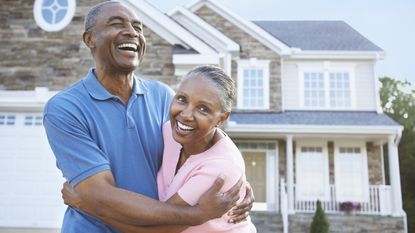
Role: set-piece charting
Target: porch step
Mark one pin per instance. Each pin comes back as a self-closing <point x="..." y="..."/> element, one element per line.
<point x="267" y="222"/>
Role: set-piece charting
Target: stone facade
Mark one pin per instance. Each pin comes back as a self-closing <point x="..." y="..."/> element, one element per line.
<point x="267" y="222"/>
<point x="32" y="57"/>
<point x="374" y="163"/>
<point x="250" y="48"/>
<point x="350" y="224"/>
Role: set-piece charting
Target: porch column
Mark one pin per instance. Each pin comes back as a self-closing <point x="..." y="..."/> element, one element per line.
<point x="290" y="173"/>
<point x="395" y="179"/>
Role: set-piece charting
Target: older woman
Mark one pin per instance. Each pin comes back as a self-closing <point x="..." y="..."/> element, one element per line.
<point x="196" y="150"/>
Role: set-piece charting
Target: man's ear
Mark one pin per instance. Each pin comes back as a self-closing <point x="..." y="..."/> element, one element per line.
<point x="88" y="39"/>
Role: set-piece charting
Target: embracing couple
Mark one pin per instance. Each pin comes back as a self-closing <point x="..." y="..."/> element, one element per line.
<point x="137" y="157"/>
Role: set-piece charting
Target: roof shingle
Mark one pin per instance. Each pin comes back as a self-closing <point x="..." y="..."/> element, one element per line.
<point x="318" y="35"/>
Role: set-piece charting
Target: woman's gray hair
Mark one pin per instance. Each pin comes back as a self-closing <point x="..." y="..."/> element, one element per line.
<point x="222" y="81"/>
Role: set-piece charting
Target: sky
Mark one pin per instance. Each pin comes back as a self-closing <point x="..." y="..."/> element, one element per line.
<point x="390" y="24"/>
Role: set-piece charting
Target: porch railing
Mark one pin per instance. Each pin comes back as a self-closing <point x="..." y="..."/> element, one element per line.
<point x="379" y="202"/>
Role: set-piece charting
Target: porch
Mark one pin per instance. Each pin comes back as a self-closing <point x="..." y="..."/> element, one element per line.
<point x="379" y="202"/>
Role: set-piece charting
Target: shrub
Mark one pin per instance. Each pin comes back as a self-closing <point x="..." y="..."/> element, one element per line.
<point x="320" y="223"/>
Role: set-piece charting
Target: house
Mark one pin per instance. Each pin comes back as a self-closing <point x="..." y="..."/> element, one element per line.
<point x="307" y="118"/>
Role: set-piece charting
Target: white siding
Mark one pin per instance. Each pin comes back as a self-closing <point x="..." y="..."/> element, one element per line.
<point x="363" y="77"/>
<point x="290" y="84"/>
<point x="365" y="87"/>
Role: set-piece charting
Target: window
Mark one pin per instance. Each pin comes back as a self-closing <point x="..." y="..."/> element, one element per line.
<point x="327" y="88"/>
<point x="253" y="84"/>
<point x="314" y="89"/>
<point x="351" y="173"/>
<point x="53" y="15"/>
<point x="312" y="174"/>
<point x="7" y="119"/>
<point x="340" y="90"/>
<point x="33" y="120"/>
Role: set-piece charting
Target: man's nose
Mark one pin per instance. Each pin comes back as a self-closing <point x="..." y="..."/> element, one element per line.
<point x="130" y="30"/>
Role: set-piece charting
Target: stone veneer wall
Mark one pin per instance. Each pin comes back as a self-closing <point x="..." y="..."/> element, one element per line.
<point x="32" y="57"/>
<point x="271" y="222"/>
<point x="250" y="48"/>
<point x="374" y="163"/>
<point x="350" y="224"/>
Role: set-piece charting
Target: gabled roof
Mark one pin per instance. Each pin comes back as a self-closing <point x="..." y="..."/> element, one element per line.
<point x="318" y="35"/>
<point x="166" y="27"/>
<point x="203" y="30"/>
<point x="247" y="26"/>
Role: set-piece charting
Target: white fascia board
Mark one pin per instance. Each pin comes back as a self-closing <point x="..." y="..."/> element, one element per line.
<point x="232" y="127"/>
<point x="183" y="63"/>
<point x="250" y="28"/>
<point x="204" y="30"/>
<point x="166" y="27"/>
<point x="196" y="59"/>
<point x="25" y="100"/>
<point x="355" y="55"/>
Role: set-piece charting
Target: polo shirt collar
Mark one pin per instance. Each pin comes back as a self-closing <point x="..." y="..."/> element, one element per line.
<point x="97" y="91"/>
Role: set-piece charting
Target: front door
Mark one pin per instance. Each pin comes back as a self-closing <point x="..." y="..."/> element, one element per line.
<point x="256" y="172"/>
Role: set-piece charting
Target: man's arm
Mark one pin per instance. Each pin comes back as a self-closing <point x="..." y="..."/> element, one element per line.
<point x="106" y="201"/>
<point x="74" y="199"/>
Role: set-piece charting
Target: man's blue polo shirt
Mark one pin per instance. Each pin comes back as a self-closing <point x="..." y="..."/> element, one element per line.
<point x="90" y="131"/>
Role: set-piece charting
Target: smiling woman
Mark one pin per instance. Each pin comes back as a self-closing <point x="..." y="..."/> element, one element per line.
<point x="196" y="150"/>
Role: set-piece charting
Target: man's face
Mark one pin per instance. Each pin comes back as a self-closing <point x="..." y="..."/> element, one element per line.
<point x="118" y="39"/>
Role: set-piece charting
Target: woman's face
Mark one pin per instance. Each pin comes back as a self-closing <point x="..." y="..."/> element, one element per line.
<point x="195" y="111"/>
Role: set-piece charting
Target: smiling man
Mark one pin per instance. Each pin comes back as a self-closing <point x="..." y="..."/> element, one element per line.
<point x="105" y="132"/>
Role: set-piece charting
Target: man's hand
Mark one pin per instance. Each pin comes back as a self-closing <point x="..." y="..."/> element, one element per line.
<point x="240" y="212"/>
<point x="214" y="204"/>
<point x="70" y="196"/>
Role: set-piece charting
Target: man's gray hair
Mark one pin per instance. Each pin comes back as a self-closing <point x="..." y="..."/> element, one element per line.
<point x="91" y="17"/>
<point x="224" y="83"/>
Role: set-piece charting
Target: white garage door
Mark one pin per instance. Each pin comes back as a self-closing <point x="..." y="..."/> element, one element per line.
<point x="30" y="183"/>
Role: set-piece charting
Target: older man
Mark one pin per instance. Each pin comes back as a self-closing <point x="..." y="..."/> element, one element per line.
<point x="105" y="132"/>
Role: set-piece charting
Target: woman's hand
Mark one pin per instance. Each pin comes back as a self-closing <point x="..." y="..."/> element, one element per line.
<point x="70" y="196"/>
<point x="240" y="212"/>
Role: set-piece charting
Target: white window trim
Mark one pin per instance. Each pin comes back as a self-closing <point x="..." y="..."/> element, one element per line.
<point x="323" y="145"/>
<point x="40" y="21"/>
<point x="253" y="63"/>
<point x="326" y="68"/>
<point x="362" y="146"/>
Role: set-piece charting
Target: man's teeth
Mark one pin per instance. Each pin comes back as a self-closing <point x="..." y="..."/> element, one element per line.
<point x="128" y="45"/>
<point x="184" y="127"/>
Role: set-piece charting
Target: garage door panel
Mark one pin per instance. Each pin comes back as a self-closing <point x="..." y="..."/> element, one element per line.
<point x="4" y="184"/>
<point x="28" y="170"/>
<point x="6" y="164"/>
<point x="28" y="164"/>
